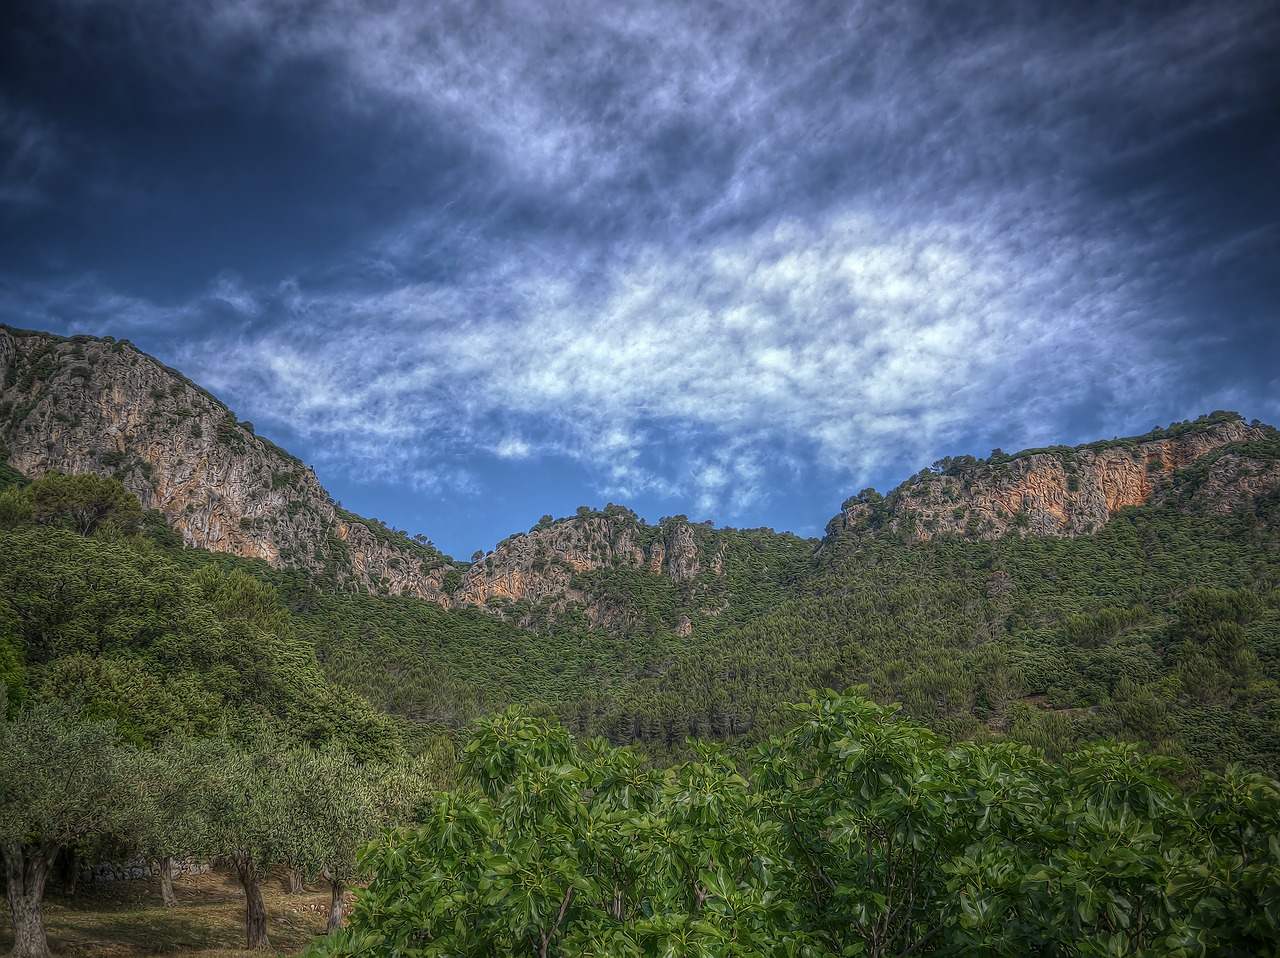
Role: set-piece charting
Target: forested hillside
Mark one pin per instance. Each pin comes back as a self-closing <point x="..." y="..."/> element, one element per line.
<point x="157" y="701"/>
<point x="1162" y="626"/>
<point x="184" y="702"/>
<point x="278" y="700"/>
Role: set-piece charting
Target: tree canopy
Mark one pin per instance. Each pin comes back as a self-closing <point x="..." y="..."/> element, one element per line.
<point x="854" y="833"/>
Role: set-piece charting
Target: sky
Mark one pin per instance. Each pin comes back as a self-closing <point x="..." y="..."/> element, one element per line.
<point x="481" y="261"/>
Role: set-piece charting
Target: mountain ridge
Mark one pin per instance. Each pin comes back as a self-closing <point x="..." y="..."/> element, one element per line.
<point x="1162" y="625"/>
<point x="1064" y="490"/>
<point x="86" y="404"/>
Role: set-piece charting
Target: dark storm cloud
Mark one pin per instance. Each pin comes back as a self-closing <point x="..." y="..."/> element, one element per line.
<point x="179" y="160"/>
<point x="706" y="252"/>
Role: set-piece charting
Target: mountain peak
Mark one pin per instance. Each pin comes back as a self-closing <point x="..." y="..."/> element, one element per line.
<point x="88" y="405"/>
<point x="1071" y="490"/>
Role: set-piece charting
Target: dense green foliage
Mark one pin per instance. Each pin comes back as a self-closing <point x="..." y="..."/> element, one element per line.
<point x="854" y="833"/>
<point x="157" y="700"/>
<point x="286" y="706"/>
<point x="66" y="783"/>
<point x="138" y="637"/>
<point x="1163" y="627"/>
<point x="74" y="786"/>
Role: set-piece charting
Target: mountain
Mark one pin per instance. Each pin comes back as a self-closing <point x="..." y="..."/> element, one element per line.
<point x="87" y="405"/>
<point x="1128" y="588"/>
<point x="101" y="406"/>
<point x="1068" y="491"/>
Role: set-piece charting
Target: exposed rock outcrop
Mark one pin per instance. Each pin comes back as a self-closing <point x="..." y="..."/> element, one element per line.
<point x="87" y="405"/>
<point x="1064" y="491"/>
<point x="543" y="564"/>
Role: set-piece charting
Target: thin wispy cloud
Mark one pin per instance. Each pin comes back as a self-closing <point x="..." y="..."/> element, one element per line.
<point x="847" y="341"/>
<point x="28" y="154"/>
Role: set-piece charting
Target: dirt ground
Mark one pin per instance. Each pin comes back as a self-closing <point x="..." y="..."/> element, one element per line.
<point x="128" y="920"/>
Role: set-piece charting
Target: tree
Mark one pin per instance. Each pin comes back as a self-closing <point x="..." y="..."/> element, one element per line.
<point x="857" y="834"/>
<point x="864" y="803"/>
<point x="15" y="508"/>
<point x="338" y="804"/>
<point x="249" y="817"/>
<point x="13" y="669"/>
<point x="84" y="503"/>
<point x="554" y="848"/>
<point x="1228" y="879"/>
<point x="178" y="824"/>
<point x="67" y="782"/>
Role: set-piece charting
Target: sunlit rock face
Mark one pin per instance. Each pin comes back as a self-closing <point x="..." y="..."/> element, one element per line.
<point x="1066" y="491"/>
<point x="543" y="564"/>
<point x="86" y="405"/>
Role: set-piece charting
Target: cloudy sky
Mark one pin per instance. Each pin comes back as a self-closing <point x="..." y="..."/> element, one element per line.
<point x="480" y="260"/>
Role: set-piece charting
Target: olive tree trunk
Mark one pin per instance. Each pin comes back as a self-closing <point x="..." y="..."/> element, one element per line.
<point x="255" y="912"/>
<point x="27" y="869"/>
<point x="337" y="904"/>
<point x="165" y="870"/>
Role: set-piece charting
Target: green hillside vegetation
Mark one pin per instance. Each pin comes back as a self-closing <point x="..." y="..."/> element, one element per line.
<point x="447" y="667"/>
<point x="226" y="707"/>
<point x="853" y="833"/>
<point x="152" y="699"/>
<point x="741" y="571"/>
<point x="1164" y="627"/>
<point x="112" y="621"/>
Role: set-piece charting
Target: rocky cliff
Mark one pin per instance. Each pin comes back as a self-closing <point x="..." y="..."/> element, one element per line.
<point x="547" y="564"/>
<point x="87" y="405"/>
<point x="1067" y="491"/>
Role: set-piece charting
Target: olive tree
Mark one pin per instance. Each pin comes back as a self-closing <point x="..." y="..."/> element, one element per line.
<point x="334" y="810"/>
<point x="249" y="822"/>
<point x="67" y="782"/>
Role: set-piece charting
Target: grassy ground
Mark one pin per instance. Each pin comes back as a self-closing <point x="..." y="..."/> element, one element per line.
<point x="127" y="919"/>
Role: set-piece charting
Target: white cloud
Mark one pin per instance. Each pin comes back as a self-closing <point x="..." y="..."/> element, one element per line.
<point x="858" y="233"/>
<point x="513" y="447"/>
<point x="849" y="340"/>
<point x="702" y="112"/>
<point x="229" y="288"/>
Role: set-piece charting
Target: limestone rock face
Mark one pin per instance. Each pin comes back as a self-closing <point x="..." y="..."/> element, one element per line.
<point x="6" y="354"/>
<point x="682" y="554"/>
<point x="540" y="565"/>
<point x="1230" y="481"/>
<point x="86" y="405"/>
<point x="1064" y="491"/>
